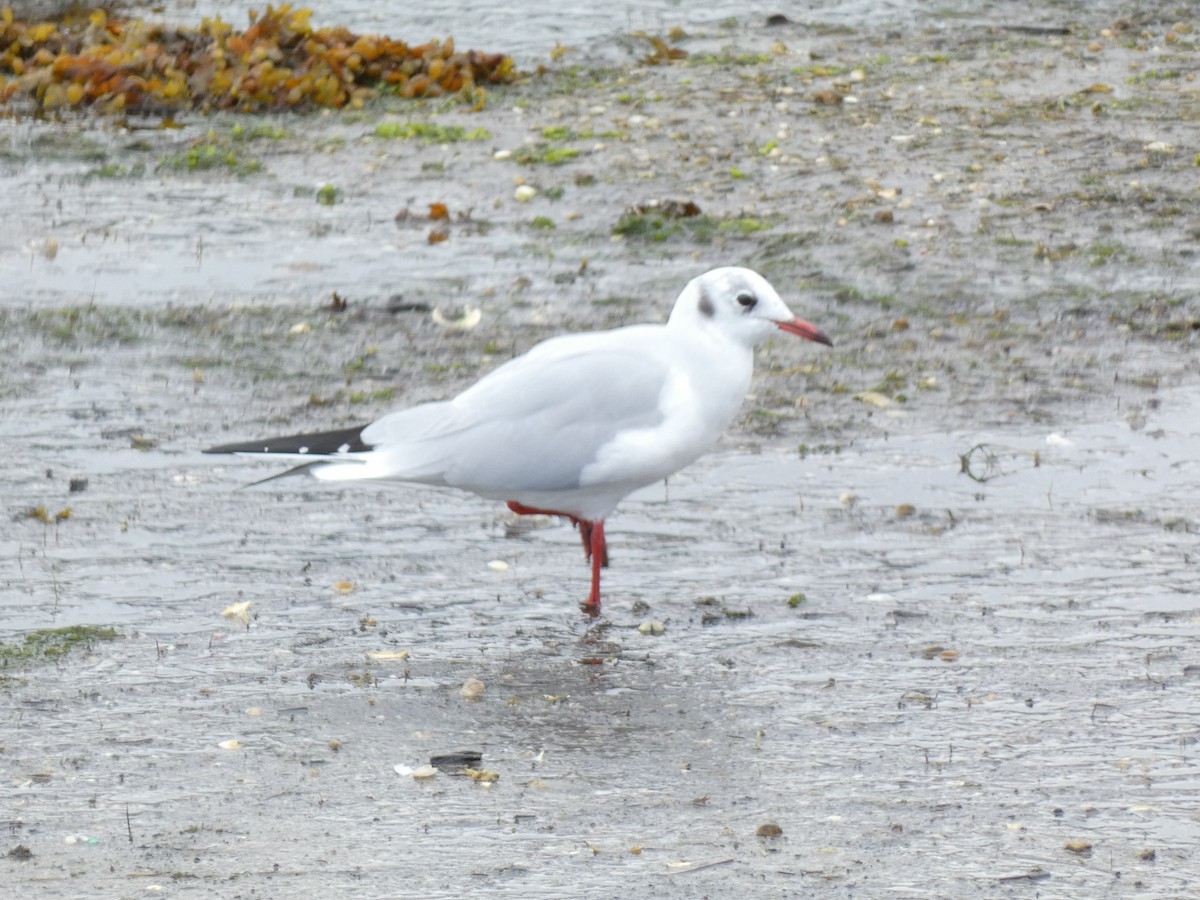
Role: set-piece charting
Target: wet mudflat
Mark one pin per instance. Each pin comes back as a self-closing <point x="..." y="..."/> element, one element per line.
<point x="930" y="609"/>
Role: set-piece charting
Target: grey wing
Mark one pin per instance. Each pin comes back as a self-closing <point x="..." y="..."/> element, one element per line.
<point x="535" y="423"/>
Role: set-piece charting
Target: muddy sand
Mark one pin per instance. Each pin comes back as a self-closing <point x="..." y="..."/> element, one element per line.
<point x="930" y="609"/>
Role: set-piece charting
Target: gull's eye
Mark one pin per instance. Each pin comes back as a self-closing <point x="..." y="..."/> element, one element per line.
<point x="746" y="299"/>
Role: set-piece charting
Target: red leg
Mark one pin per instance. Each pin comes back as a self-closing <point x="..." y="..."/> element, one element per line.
<point x="590" y="536"/>
<point x="599" y="557"/>
<point x="522" y="510"/>
<point x="595" y="547"/>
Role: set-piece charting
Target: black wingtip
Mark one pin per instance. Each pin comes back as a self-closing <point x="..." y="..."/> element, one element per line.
<point x="321" y="443"/>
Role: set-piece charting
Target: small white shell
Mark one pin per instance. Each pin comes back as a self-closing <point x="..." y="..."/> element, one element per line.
<point x="386" y="655"/>
<point x="469" y="319"/>
<point x="873" y="398"/>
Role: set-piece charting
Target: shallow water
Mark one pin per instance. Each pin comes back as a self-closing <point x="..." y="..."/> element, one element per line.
<point x="1064" y="592"/>
<point x="530" y="29"/>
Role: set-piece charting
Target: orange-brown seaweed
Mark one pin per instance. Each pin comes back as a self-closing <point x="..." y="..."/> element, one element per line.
<point x="279" y="62"/>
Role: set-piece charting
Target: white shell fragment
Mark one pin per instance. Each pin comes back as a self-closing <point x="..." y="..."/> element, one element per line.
<point x="469" y="319"/>
<point x="654" y="628"/>
<point x="498" y="565"/>
<point x="419" y="773"/>
<point x="386" y="655"/>
<point x="524" y="193"/>
<point x="238" y="611"/>
<point x="233" y="744"/>
<point x="874" y="398"/>
<point x="472" y="689"/>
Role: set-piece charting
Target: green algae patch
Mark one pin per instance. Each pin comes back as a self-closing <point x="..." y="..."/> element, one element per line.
<point x="53" y="644"/>
<point x="430" y="133"/>
<point x="654" y="226"/>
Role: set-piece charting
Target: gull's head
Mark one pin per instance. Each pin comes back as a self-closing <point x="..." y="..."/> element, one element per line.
<point x="742" y="305"/>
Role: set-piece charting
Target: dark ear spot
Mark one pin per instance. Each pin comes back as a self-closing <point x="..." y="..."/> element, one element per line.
<point x="705" y="305"/>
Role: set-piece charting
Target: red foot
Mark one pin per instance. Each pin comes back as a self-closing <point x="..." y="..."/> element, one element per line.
<point x="595" y="548"/>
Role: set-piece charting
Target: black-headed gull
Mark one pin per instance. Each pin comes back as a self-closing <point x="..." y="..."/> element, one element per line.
<point x="581" y="420"/>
